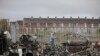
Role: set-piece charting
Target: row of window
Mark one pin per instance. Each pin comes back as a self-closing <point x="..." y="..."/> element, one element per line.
<point x="76" y="30"/>
<point x="51" y="25"/>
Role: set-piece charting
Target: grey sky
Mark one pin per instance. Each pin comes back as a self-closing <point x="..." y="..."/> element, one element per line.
<point x="18" y="9"/>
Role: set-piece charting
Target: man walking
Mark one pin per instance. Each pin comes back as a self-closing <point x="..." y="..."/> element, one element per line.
<point x="52" y="40"/>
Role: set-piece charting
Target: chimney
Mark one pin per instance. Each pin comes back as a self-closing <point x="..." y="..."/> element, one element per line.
<point x="92" y="17"/>
<point x="70" y="17"/>
<point x="63" y="17"/>
<point x="55" y="16"/>
<point x="31" y="16"/>
<point x="85" y="17"/>
<point x="47" y="16"/>
<point x="39" y="16"/>
<point x="78" y="17"/>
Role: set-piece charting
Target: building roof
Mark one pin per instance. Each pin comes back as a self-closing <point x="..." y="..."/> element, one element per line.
<point x="62" y="20"/>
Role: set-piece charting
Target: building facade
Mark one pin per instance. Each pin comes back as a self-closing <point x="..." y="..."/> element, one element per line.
<point x="75" y="25"/>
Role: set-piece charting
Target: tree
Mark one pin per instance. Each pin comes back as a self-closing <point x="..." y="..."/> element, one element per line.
<point x="4" y="24"/>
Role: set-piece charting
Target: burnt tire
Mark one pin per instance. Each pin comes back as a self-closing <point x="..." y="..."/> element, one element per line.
<point x="29" y="54"/>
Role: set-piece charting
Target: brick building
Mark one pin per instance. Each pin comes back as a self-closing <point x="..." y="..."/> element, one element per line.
<point x="77" y="25"/>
